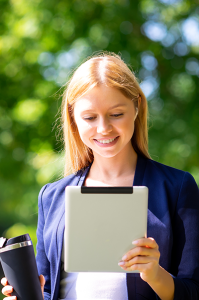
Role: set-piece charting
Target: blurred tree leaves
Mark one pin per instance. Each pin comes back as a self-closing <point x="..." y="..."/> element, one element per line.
<point x="42" y="41"/>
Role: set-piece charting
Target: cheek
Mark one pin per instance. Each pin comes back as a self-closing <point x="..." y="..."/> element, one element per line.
<point x="127" y="126"/>
<point x="84" y="130"/>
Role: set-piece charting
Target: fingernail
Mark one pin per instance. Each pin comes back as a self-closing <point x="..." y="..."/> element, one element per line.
<point x="135" y="242"/>
<point x="124" y="257"/>
<point x="121" y="263"/>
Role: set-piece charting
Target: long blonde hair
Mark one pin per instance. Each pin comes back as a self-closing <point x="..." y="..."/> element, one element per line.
<point x="102" y="69"/>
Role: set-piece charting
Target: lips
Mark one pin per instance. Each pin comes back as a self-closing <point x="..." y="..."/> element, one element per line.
<point x="106" y="144"/>
<point x="106" y="141"/>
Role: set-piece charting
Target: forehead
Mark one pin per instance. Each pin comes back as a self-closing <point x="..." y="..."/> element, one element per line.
<point x="102" y="97"/>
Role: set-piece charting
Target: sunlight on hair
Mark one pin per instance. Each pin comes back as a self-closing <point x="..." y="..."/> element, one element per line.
<point x="105" y="68"/>
<point x="102" y="70"/>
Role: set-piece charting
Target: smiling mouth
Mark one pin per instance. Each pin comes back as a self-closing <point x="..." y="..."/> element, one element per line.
<point x="108" y="141"/>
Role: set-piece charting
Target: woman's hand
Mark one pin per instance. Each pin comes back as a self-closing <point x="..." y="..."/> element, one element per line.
<point x="42" y="283"/>
<point x="8" y="289"/>
<point x="144" y="258"/>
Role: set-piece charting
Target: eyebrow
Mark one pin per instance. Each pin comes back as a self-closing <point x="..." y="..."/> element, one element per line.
<point x="117" y="105"/>
<point x="114" y="106"/>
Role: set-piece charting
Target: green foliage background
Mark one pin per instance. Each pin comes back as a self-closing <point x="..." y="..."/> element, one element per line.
<point x="42" y="41"/>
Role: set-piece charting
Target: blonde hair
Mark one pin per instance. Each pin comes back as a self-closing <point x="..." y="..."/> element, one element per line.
<point x="102" y="69"/>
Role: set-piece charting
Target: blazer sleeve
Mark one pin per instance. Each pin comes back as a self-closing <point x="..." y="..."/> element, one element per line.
<point x="185" y="253"/>
<point x="43" y="264"/>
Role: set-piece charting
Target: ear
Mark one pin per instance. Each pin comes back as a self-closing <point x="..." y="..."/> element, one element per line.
<point x="136" y="109"/>
<point x="139" y="101"/>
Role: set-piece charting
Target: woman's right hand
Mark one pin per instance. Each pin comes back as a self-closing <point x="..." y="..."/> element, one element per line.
<point x="8" y="289"/>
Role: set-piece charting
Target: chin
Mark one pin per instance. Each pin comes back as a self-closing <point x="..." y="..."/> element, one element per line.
<point x="105" y="155"/>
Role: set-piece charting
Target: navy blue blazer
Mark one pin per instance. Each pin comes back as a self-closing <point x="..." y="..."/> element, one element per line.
<point x="173" y="221"/>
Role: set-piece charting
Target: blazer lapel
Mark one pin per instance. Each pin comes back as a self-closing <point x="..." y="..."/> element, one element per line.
<point x="139" y="171"/>
<point x="78" y="180"/>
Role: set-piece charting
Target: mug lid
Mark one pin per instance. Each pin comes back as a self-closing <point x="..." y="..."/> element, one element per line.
<point x="2" y="242"/>
<point x="18" y="239"/>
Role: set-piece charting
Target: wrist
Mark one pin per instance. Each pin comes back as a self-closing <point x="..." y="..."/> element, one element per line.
<point x="157" y="277"/>
<point x="163" y="284"/>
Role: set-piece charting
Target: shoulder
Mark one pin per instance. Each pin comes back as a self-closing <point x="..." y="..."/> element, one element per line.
<point x="55" y="190"/>
<point x="166" y="172"/>
<point x="71" y="179"/>
<point x="171" y="188"/>
<point x="169" y="177"/>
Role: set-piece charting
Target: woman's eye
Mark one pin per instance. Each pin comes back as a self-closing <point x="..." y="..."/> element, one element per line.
<point x="89" y="118"/>
<point x="93" y="118"/>
<point x="117" y="115"/>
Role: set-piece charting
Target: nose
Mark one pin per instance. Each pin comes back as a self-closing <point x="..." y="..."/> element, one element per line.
<point x="104" y="126"/>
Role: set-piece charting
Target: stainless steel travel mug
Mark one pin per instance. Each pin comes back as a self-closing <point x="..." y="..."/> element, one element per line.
<point x="19" y="266"/>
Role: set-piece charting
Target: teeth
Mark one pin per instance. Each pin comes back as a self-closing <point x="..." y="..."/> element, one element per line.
<point x="106" y="141"/>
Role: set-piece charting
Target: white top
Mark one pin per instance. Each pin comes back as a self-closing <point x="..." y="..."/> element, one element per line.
<point x="92" y="286"/>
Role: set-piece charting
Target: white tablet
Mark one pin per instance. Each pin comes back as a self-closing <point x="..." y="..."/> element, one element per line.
<point x="100" y="225"/>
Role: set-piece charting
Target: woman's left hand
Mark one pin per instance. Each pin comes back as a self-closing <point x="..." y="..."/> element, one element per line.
<point x="144" y="258"/>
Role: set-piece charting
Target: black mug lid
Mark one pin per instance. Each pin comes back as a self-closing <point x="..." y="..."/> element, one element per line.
<point x="18" y="239"/>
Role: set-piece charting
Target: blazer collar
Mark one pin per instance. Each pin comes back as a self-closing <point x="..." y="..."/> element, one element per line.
<point x="139" y="172"/>
<point x="83" y="176"/>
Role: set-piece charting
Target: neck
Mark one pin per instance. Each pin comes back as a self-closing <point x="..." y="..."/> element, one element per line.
<point x="121" y="165"/>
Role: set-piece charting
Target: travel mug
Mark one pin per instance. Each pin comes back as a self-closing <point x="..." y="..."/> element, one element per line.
<point x="19" y="266"/>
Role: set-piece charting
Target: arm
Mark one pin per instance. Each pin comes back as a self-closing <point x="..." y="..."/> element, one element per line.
<point x="164" y="285"/>
<point x="145" y="258"/>
<point x="185" y="258"/>
<point x="43" y="264"/>
<point x="185" y="254"/>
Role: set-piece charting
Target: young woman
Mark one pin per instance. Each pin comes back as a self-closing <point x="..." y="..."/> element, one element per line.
<point x="104" y="116"/>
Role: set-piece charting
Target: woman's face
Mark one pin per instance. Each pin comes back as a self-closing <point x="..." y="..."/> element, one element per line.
<point x="105" y="120"/>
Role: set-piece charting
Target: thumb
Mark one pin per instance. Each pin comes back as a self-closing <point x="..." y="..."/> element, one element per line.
<point x="42" y="283"/>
